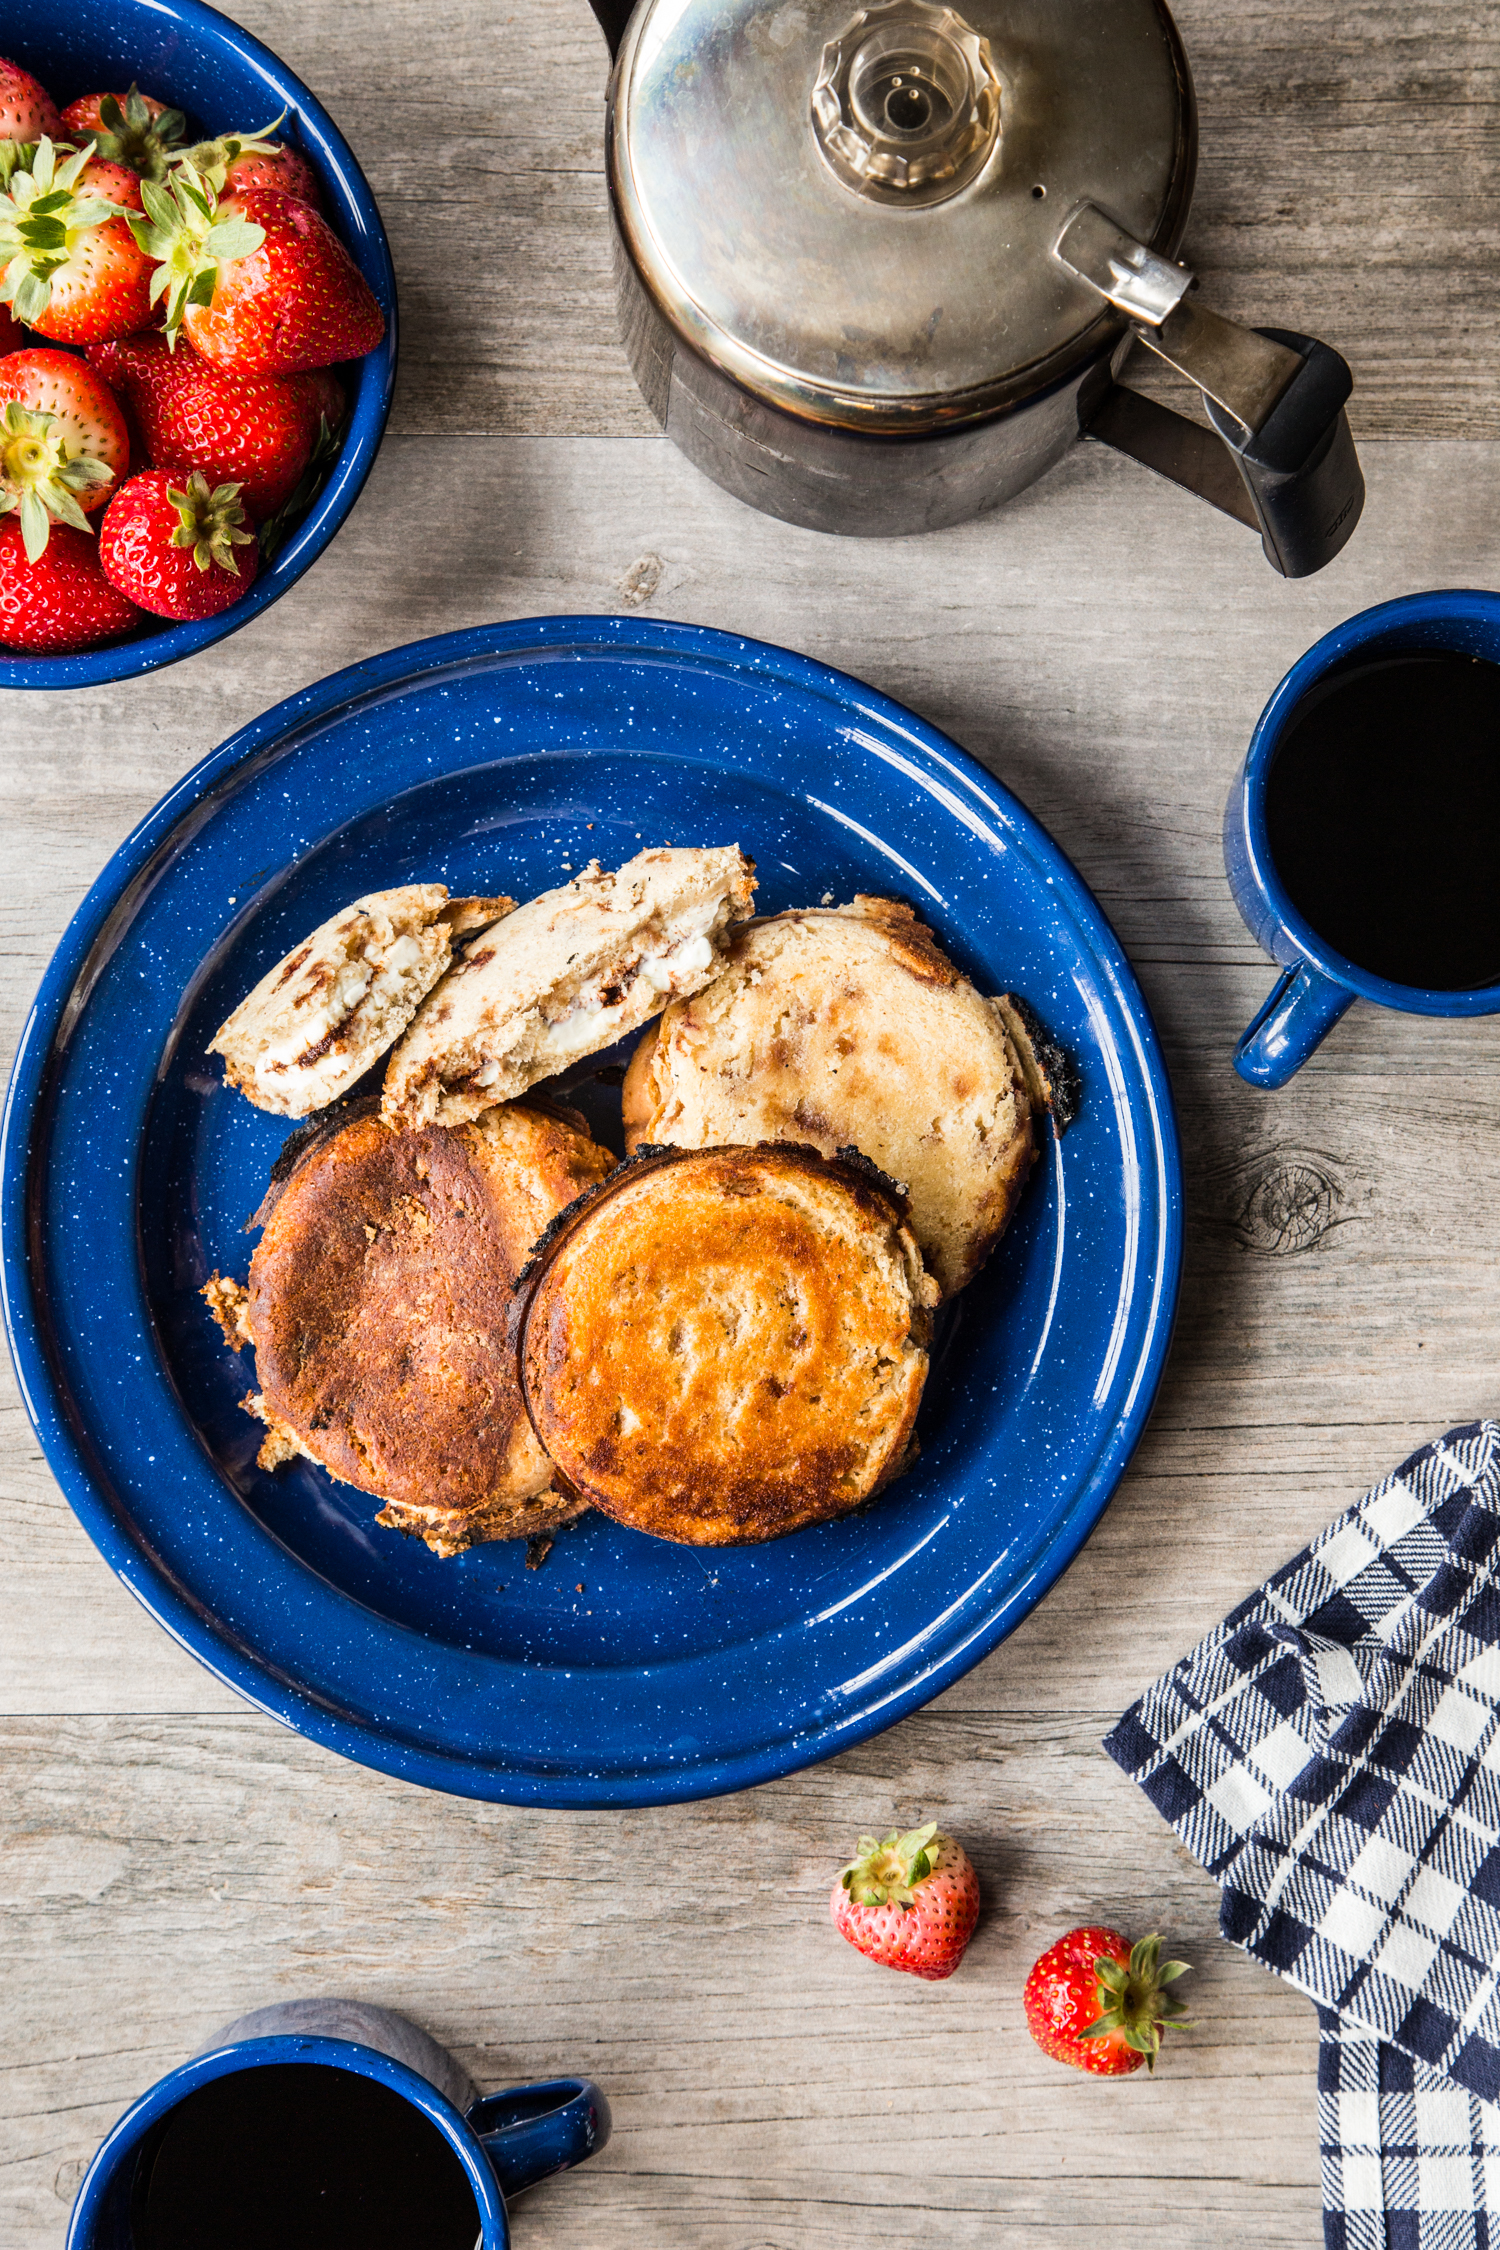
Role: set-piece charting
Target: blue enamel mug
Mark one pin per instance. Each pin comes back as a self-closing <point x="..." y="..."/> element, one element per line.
<point x="1318" y="984"/>
<point x="505" y="2142"/>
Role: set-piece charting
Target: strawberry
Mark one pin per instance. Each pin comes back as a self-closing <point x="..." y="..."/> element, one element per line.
<point x="252" y="160"/>
<point x="63" y="443"/>
<point x="323" y="393"/>
<point x="281" y="168"/>
<point x="255" y="431"/>
<point x="115" y="358"/>
<point x="258" y="280"/>
<point x="1097" y="2002"/>
<point x="12" y="334"/>
<point x="27" y="110"/>
<point x="131" y="129"/>
<point x="910" y="1903"/>
<point x="62" y="600"/>
<point x="72" y="269"/>
<point x="171" y="547"/>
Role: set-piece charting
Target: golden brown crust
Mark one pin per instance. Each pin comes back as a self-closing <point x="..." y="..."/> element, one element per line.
<point x="280" y="1444"/>
<point x="450" y="1531"/>
<point x="462" y="917"/>
<point x="850" y="1026"/>
<point x="912" y="945"/>
<point x="380" y="1298"/>
<point x="228" y="1301"/>
<point x="724" y="1346"/>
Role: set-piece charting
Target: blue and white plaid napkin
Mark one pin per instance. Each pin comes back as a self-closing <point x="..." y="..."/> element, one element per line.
<point x="1331" y="1754"/>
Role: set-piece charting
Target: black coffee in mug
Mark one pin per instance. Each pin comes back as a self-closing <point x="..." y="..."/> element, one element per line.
<point x="1383" y="816"/>
<point x="298" y="2156"/>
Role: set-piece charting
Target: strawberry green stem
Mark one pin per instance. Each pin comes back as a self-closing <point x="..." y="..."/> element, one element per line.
<point x="39" y="477"/>
<point x="887" y="1873"/>
<point x="211" y="160"/>
<point x="211" y="523"/>
<point x="41" y="219"/>
<point x="183" y="234"/>
<point x="133" y="137"/>
<point x="1132" y="2002"/>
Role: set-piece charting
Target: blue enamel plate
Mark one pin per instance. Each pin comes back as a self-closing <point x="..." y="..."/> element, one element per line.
<point x="624" y="1670"/>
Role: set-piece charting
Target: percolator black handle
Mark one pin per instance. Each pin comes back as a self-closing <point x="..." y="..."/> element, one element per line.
<point x="1300" y="468"/>
<point x="1296" y="480"/>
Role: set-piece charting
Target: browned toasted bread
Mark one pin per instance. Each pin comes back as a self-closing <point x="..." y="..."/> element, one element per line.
<point x="722" y="1346"/>
<point x="851" y="1025"/>
<point x="378" y="1306"/>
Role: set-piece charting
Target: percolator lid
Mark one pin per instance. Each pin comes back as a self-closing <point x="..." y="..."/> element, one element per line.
<point x="851" y="210"/>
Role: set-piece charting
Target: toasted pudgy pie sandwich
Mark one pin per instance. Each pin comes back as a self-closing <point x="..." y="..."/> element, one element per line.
<point x="849" y="1026"/>
<point x="379" y="1302"/>
<point x="317" y="1021"/>
<point x="564" y="976"/>
<point x="724" y="1346"/>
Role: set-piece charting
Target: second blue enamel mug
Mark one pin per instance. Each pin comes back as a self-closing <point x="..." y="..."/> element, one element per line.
<point x="1318" y="984"/>
<point x="505" y="2143"/>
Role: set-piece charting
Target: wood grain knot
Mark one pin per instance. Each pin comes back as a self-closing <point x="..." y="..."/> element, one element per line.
<point x="1285" y="1202"/>
<point x="69" y="2178"/>
<point x="640" y="581"/>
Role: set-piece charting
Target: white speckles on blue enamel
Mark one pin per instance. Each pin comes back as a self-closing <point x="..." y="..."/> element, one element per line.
<point x="562" y="740"/>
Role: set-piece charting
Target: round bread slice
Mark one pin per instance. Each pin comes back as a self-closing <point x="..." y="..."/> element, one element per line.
<point x="722" y="1347"/>
<point x="379" y="1301"/>
<point x="316" y="1022"/>
<point x="849" y="1027"/>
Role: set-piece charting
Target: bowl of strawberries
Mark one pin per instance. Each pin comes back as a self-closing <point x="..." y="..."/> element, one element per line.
<point x="197" y="335"/>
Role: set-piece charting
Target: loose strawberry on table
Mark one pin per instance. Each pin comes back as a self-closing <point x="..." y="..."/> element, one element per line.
<point x="69" y="264"/>
<point x="910" y="1902"/>
<point x="1099" y="2003"/>
<point x="133" y="129"/>
<point x="61" y="601"/>
<point x="257" y="280"/>
<point x="27" y="110"/>
<point x="63" y="443"/>
<point x="178" y="550"/>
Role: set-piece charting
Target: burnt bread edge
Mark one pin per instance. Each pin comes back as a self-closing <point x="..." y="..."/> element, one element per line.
<point x="1054" y="1079"/>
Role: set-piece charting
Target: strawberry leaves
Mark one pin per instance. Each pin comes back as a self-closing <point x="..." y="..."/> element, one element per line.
<point x="15" y="156"/>
<point x="887" y="1873"/>
<point x="40" y="214"/>
<point x="211" y="160"/>
<point x="1132" y="2003"/>
<point x="277" y="529"/>
<point x="181" y="233"/>
<point x="132" y="136"/>
<point x="211" y="524"/>
<point x="39" y="478"/>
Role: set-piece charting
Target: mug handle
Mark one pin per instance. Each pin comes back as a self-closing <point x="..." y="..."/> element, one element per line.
<point x="1301" y="1009"/>
<point x="530" y="2132"/>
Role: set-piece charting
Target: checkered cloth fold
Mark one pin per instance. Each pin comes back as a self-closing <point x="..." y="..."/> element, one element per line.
<point x="1331" y="1754"/>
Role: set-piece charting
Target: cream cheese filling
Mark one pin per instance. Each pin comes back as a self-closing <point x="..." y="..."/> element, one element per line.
<point x="588" y="1022"/>
<point x="382" y="978"/>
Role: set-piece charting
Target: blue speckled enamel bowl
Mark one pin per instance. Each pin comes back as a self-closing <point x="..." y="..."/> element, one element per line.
<point x="625" y="1670"/>
<point x="191" y="56"/>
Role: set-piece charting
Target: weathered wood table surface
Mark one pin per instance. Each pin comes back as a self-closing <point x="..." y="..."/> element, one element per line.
<point x="169" y="1858"/>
